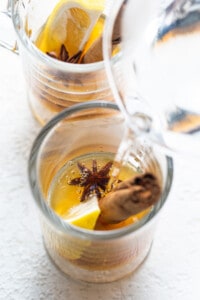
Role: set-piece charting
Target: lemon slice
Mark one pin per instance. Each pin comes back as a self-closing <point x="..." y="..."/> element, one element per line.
<point x="69" y="24"/>
<point x="84" y="215"/>
<point x="96" y="32"/>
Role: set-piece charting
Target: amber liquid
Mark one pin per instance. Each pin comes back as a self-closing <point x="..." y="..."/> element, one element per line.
<point x="63" y="196"/>
<point x="85" y="258"/>
<point x="53" y="90"/>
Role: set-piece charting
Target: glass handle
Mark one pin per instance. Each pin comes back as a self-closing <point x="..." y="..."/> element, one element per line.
<point x="7" y="33"/>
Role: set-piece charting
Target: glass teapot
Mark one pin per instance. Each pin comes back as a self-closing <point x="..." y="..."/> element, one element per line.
<point x="157" y="81"/>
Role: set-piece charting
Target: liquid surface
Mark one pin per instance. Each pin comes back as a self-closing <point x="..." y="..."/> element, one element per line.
<point x="65" y="197"/>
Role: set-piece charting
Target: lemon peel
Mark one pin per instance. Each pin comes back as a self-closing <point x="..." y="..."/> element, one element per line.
<point x="96" y="32"/>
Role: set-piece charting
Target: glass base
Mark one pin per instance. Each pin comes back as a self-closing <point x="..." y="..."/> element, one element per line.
<point x="75" y="272"/>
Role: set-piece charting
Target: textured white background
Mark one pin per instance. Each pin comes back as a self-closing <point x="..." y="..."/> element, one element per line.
<point x="172" y="270"/>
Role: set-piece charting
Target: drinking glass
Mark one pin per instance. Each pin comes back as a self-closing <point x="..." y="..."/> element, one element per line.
<point x="156" y="84"/>
<point x="92" y="255"/>
<point x="52" y="85"/>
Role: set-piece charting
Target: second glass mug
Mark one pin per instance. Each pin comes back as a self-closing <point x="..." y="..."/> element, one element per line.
<point x="86" y="129"/>
<point x="52" y="85"/>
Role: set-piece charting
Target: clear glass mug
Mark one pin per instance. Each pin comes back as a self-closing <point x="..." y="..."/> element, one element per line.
<point x="156" y="84"/>
<point x="52" y="85"/>
<point x="92" y="255"/>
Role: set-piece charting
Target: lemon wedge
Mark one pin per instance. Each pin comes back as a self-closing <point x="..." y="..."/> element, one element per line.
<point x="84" y="215"/>
<point x="70" y="24"/>
<point x="96" y="32"/>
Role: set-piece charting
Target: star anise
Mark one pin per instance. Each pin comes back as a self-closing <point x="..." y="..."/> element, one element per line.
<point x="93" y="181"/>
<point x="64" y="55"/>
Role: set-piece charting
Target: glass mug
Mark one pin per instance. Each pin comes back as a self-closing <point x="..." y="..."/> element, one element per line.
<point x="52" y="85"/>
<point x="91" y="255"/>
<point x="156" y="84"/>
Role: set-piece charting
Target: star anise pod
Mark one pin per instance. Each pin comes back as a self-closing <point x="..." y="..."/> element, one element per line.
<point x="64" y="55"/>
<point x="93" y="181"/>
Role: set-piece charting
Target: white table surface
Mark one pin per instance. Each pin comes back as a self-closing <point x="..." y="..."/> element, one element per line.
<point x="172" y="270"/>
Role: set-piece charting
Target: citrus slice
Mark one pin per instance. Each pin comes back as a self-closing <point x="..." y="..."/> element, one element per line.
<point x="70" y="24"/>
<point x="84" y="215"/>
<point x="95" y="34"/>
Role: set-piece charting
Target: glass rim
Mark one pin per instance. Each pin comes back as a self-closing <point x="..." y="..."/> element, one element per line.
<point x="52" y="217"/>
<point x="51" y="62"/>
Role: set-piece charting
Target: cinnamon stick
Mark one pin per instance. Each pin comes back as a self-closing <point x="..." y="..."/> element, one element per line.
<point x="129" y="198"/>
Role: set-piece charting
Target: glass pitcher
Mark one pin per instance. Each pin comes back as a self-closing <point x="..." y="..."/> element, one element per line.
<point x="157" y="83"/>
